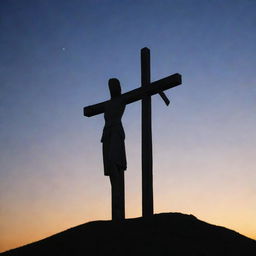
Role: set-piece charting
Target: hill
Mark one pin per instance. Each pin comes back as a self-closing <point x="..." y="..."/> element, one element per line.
<point x="162" y="234"/>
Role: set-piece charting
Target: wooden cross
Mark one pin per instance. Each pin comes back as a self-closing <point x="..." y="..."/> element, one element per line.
<point x="144" y="93"/>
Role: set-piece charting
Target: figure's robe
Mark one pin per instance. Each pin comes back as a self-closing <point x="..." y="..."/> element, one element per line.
<point x="113" y="137"/>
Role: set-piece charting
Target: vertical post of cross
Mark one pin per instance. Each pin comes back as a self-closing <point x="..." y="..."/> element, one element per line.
<point x="147" y="160"/>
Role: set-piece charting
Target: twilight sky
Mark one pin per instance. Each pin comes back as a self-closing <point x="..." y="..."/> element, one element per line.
<point x="56" y="58"/>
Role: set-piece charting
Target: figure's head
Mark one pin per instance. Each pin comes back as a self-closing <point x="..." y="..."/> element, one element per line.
<point x="114" y="87"/>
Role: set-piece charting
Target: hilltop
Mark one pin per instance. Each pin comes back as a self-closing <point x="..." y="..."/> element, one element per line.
<point x="162" y="234"/>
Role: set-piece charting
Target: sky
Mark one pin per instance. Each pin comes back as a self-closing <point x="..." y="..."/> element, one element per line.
<point x="57" y="57"/>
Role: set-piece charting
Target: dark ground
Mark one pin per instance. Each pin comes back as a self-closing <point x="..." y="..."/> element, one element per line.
<point x="173" y="234"/>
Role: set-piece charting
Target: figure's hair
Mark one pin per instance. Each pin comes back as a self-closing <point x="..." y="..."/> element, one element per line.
<point x="114" y="87"/>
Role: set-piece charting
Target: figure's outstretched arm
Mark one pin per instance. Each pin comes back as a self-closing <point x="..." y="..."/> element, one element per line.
<point x="94" y="109"/>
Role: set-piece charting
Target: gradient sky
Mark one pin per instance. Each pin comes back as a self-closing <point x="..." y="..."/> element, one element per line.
<point x="56" y="58"/>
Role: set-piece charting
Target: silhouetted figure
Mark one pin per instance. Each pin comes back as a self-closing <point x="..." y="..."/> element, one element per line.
<point x="114" y="157"/>
<point x="113" y="134"/>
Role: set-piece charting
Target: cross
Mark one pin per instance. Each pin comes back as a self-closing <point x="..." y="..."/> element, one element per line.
<point x="144" y="94"/>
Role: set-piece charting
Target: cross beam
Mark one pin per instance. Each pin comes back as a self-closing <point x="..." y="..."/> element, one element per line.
<point x="136" y="94"/>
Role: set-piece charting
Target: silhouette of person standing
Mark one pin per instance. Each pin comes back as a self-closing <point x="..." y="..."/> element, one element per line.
<point x="114" y="156"/>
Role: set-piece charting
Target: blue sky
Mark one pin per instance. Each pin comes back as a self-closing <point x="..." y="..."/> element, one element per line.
<point x="56" y="58"/>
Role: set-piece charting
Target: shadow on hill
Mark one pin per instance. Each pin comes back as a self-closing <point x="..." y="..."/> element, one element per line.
<point x="162" y="234"/>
